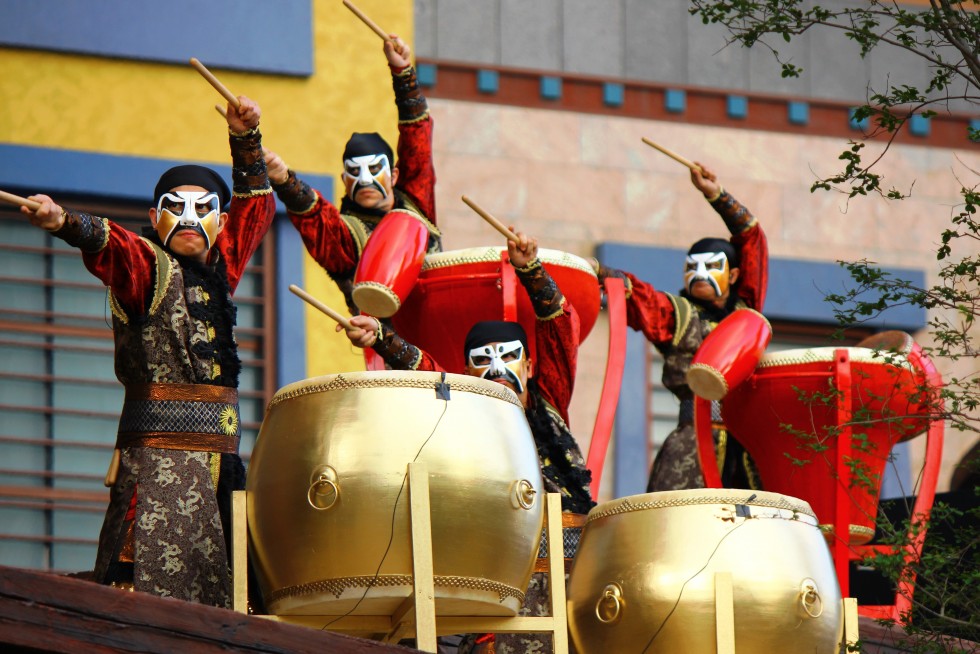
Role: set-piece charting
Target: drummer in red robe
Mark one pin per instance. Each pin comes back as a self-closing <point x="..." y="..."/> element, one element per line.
<point x="720" y="276"/>
<point x="498" y="350"/>
<point x="376" y="189"/>
<point x="166" y="529"/>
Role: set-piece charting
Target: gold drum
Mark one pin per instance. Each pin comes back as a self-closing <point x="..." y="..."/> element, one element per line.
<point x="643" y="579"/>
<point x="328" y="502"/>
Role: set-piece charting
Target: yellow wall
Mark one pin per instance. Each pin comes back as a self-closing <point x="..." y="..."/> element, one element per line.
<point x="152" y="110"/>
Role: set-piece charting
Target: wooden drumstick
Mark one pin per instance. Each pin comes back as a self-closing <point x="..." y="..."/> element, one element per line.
<point x="218" y="86"/>
<point x="367" y="21"/>
<point x="496" y="224"/>
<point x="673" y="155"/>
<point x="320" y="305"/>
<point x="16" y="199"/>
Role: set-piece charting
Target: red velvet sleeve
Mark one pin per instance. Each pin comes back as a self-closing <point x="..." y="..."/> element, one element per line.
<point x="249" y="218"/>
<point x="416" y="174"/>
<point x="754" y="266"/>
<point x="126" y="265"/>
<point x="556" y="343"/>
<point x="327" y="237"/>
<point x="650" y="311"/>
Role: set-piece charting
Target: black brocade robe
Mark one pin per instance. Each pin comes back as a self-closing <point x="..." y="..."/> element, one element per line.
<point x="165" y="529"/>
<point x="677" y="326"/>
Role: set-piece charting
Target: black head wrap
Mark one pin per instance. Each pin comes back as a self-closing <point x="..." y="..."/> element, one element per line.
<point x="494" y="331"/>
<point x="363" y="143"/>
<point x="191" y="175"/>
<point x="717" y="245"/>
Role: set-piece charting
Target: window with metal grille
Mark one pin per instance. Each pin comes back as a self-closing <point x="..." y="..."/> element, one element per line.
<point x="59" y="398"/>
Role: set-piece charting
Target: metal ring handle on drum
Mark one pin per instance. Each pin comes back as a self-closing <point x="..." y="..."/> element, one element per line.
<point x="322" y="476"/>
<point x="525" y="494"/>
<point x="809" y="597"/>
<point x="611" y="594"/>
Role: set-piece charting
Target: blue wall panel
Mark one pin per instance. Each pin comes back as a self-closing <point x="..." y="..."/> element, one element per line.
<point x="221" y="33"/>
<point x="29" y="169"/>
<point x="630" y="428"/>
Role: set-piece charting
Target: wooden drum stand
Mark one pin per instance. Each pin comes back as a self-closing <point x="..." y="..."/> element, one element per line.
<point x="417" y="616"/>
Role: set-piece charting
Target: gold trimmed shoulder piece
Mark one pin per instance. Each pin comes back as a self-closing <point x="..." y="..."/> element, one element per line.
<point x="411" y="208"/>
<point x="553" y="412"/>
<point x="682" y="317"/>
<point x="117" y="309"/>
<point x="165" y="271"/>
<point x="358" y="230"/>
<point x="107" y="226"/>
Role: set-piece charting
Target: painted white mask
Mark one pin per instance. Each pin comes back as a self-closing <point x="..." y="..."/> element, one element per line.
<point x="194" y="210"/>
<point x="711" y="267"/>
<point x="495" y="360"/>
<point x="367" y="171"/>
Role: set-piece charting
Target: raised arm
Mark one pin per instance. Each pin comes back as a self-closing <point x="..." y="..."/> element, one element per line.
<point x="327" y="237"/>
<point x="747" y="236"/>
<point x="648" y="310"/>
<point x="416" y="174"/>
<point x="253" y="206"/>
<point x="115" y="255"/>
<point x="556" y="329"/>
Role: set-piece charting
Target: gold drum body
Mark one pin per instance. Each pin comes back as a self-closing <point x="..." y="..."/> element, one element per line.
<point x="328" y="499"/>
<point x="643" y="579"/>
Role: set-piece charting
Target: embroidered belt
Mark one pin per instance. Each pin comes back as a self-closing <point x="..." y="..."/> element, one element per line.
<point x="198" y="417"/>
<point x="571" y="533"/>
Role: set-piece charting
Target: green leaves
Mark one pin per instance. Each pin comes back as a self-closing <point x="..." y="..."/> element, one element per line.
<point x="945" y="34"/>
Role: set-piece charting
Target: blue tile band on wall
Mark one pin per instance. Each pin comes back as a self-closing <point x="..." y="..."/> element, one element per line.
<point x="613" y="94"/>
<point x="857" y="124"/>
<point x="798" y="113"/>
<point x="975" y="125"/>
<point x="487" y="81"/>
<point x="52" y="171"/>
<point x="551" y="87"/>
<point x="919" y="125"/>
<point x="737" y="106"/>
<point x="216" y="32"/>
<point x="426" y="74"/>
<point x="786" y="298"/>
<point x="675" y="101"/>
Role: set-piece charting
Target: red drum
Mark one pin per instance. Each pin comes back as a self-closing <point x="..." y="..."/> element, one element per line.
<point x="729" y="354"/>
<point x="390" y="263"/>
<point x="459" y="288"/>
<point x="800" y="405"/>
<point x="899" y="342"/>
